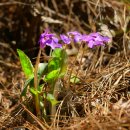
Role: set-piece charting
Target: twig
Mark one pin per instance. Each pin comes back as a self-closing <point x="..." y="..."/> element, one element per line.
<point x="9" y="65"/>
<point x="15" y="2"/>
<point x="6" y="45"/>
<point x="43" y="126"/>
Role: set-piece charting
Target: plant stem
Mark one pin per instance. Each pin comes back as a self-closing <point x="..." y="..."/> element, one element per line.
<point x="71" y="71"/>
<point x="56" y="88"/>
<point x="36" y="97"/>
<point x="79" y="65"/>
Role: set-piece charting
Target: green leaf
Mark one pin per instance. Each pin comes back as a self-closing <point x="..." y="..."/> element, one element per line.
<point x="57" y="52"/>
<point x="26" y="63"/>
<point x="52" y="75"/>
<point x="27" y="82"/>
<point x="33" y="91"/>
<point x="57" y="66"/>
<point x="54" y="64"/>
<point x="42" y="68"/>
<point x="64" y="62"/>
<point x="40" y="88"/>
<point x="51" y="99"/>
<point x="74" y="79"/>
<point x="59" y="61"/>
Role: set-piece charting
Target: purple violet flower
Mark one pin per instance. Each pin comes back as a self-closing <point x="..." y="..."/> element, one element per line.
<point x="49" y="39"/>
<point x="75" y="35"/>
<point x="65" y="39"/>
<point x="95" y="39"/>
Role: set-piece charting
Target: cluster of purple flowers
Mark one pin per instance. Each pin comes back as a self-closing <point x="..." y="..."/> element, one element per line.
<point x="92" y="39"/>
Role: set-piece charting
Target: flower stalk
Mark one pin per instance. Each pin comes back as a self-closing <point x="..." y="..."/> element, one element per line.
<point x="36" y="97"/>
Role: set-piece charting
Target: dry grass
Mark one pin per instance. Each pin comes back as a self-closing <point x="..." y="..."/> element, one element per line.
<point x="101" y="101"/>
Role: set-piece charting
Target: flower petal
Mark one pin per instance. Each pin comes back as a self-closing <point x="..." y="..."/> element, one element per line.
<point x="65" y="39"/>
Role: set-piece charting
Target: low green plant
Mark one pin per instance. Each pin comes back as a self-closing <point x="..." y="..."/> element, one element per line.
<point x="42" y="80"/>
<point x="48" y="73"/>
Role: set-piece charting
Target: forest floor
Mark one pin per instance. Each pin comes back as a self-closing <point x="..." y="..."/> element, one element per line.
<point x="101" y="101"/>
